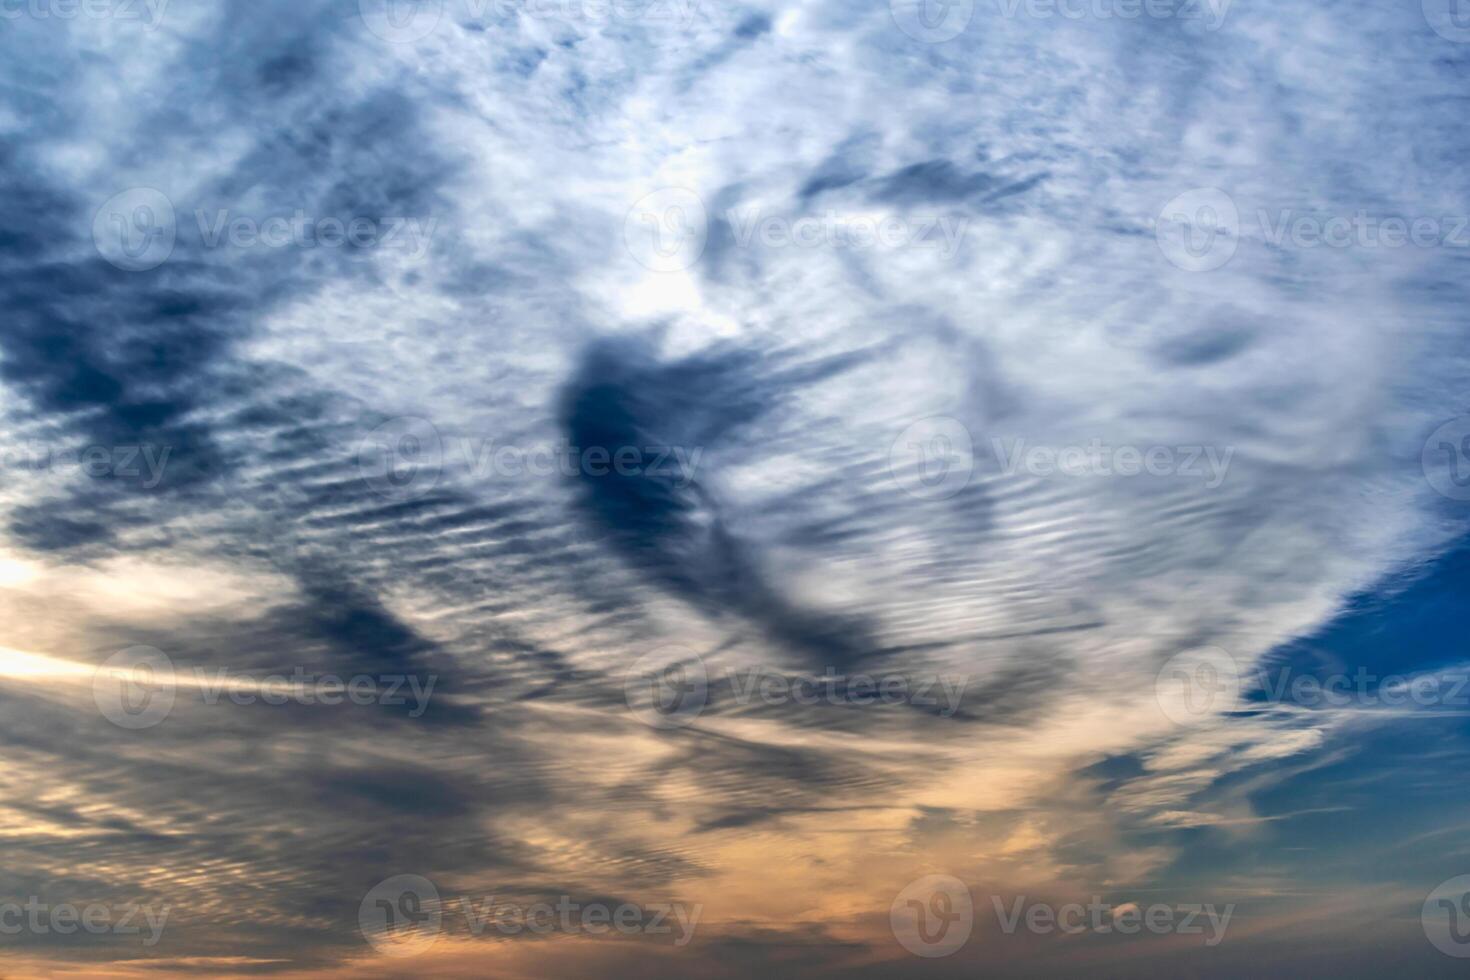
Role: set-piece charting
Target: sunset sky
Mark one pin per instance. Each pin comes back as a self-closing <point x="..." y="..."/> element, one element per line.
<point x="665" y="489"/>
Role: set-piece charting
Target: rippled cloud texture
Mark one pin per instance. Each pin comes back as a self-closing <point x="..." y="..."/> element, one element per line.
<point x="655" y="489"/>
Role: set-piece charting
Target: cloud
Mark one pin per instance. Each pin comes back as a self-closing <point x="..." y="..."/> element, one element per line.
<point x="333" y="496"/>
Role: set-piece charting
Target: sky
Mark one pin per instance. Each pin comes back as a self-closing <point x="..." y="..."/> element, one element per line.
<point x="657" y="488"/>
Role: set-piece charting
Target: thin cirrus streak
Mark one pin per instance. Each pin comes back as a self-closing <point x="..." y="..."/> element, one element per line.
<point x="793" y="489"/>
